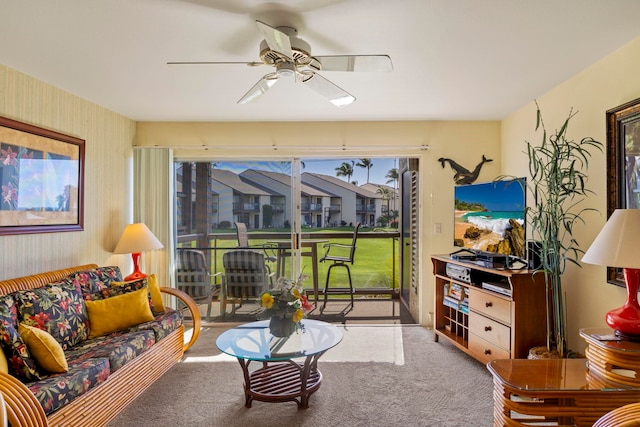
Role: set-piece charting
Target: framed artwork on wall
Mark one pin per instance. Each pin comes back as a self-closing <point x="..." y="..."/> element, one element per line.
<point x="623" y="165"/>
<point x="42" y="177"/>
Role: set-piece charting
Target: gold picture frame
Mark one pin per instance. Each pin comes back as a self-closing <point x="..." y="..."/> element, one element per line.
<point x="41" y="178"/>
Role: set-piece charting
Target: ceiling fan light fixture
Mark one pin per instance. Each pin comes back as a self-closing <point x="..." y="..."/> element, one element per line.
<point x="285" y="69"/>
<point x="343" y="101"/>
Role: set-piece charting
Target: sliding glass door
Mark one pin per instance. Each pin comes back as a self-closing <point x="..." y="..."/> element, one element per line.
<point x="211" y="197"/>
<point x="291" y="208"/>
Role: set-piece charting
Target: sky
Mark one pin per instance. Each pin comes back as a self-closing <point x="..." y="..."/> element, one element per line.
<point x="377" y="173"/>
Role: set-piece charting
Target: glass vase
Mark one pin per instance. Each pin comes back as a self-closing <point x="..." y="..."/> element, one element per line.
<point x="281" y="327"/>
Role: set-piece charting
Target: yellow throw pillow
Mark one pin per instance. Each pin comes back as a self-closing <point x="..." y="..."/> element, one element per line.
<point x="156" y="295"/>
<point x="118" y="313"/>
<point x="45" y="349"/>
<point x="4" y="364"/>
<point x="154" y="291"/>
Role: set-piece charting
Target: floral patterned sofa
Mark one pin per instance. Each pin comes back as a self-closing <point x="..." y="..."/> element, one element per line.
<point x="79" y="344"/>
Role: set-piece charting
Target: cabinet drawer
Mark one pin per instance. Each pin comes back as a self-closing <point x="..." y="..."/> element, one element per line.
<point x="485" y="351"/>
<point x="490" y="304"/>
<point x="490" y="330"/>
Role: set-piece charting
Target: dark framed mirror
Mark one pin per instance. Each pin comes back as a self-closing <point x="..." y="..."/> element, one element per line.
<point x="623" y="165"/>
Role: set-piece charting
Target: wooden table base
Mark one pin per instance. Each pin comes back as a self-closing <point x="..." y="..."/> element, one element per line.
<point x="281" y="382"/>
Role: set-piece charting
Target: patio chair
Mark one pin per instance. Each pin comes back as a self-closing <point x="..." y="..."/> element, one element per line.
<point x="245" y="278"/>
<point x="194" y="277"/>
<point x="340" y="255"/>
<point x="243" y="243"/>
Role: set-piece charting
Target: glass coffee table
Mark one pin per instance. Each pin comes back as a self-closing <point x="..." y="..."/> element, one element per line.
<point x="280" y="377"/>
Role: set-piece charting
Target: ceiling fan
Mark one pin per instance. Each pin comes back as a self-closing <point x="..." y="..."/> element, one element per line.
<point x="291" y="57"/>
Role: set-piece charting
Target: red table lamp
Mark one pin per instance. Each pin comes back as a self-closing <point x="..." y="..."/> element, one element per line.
<point x="136" y="238"/>
<point x="617" y="246"/>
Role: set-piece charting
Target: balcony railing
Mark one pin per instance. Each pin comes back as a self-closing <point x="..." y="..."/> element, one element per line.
<point x="365" y="208"/>
<point x="246" y="207"/>
<point x="311" y="207"/>
<point x="379" y="277"/>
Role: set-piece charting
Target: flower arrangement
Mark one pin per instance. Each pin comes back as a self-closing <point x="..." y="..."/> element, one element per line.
<point x="286" y="299"/>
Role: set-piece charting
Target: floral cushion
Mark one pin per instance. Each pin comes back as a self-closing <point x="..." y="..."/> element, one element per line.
<point x="120" y="348"/>
<point x="55" y="391"/>
<point x="94" y="281"/>
<point x="162" y="325"/>
<point x="57" y="308"/>
<point x="21" y="364"/>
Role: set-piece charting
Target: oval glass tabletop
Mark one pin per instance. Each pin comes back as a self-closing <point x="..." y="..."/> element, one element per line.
<point x="253" y="341"/>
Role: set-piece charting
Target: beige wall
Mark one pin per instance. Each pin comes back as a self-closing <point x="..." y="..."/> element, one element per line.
<point x="610" y="82"/>
<point x="108" y="177"/>
<point x="465" y="142"/>
<point x="109" y="138"/>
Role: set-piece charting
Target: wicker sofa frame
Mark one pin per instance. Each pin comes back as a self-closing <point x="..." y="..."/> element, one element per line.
<point x="105" y="401"/>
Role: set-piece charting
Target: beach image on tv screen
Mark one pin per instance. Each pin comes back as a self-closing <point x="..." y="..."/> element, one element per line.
<point x="489" y="217"/>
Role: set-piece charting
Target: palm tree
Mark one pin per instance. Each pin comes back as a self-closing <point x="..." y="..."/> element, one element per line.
<point x="366" y="164"/>
<point x="387" y="194"/>
<point x="345" y="169"/>
<point x="392" y="176"/>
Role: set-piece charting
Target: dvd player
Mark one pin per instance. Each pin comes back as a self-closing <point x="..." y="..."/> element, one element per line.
<point x="488" y="259"/>
<point x="499" y="287"/>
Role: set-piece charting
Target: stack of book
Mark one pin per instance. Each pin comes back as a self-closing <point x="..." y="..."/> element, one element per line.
<point x="455" y="296"/>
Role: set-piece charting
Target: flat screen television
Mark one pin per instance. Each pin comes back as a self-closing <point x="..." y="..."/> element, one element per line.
<point x="490" y="217"/>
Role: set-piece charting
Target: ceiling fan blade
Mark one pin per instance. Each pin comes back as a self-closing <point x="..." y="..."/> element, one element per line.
<point x="276" y="40"/>
<point x="250" y="64"/>
<point x="333" y="93"/>
<point x="259" y="88"/>
<point x="354" y="63"/>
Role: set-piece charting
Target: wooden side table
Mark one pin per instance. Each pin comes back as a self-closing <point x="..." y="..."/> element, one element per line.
<point x="614" y="359"/>
<point x="562" y="391"/>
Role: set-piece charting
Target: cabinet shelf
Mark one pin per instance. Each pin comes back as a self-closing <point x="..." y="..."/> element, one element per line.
<point x="494" y="325"/>
<point x="458" y="341"/>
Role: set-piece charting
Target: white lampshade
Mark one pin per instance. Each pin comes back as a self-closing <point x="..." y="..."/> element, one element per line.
<point x="617" y="243"/>
<point x="137" y="238"/>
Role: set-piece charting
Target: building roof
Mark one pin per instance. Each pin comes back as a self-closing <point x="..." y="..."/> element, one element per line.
<point x="363" y="192"/>
<point x="374" y="187"/>
<point x="286" y="179"/>
<point x="237" y="183"/>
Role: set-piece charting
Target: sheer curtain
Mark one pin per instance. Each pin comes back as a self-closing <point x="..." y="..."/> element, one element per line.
<point x="153" y="205"/>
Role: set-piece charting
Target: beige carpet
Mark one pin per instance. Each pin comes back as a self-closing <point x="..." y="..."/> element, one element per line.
<point x="382" y="375"/>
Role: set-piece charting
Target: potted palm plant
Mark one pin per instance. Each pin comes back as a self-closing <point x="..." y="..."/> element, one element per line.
<point x="558" y="177"/>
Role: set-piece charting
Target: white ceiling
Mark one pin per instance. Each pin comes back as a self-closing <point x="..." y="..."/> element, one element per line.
<point x="453" y="59"/>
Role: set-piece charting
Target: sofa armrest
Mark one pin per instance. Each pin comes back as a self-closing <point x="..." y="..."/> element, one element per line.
<point x="23" y="409"/>
<point x="193" y="308"/>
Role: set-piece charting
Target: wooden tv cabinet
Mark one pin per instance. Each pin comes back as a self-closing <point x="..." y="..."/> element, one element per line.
<point x="502" y="320"/>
